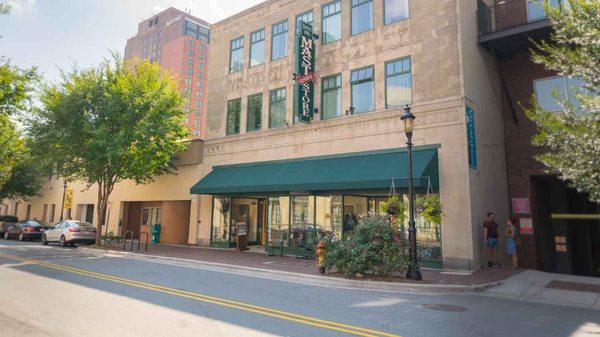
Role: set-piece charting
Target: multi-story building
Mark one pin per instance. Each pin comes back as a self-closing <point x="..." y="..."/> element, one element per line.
<point x="179" y="42"/>
<point x="560" y="229"/>
<point x="275" y="175"/>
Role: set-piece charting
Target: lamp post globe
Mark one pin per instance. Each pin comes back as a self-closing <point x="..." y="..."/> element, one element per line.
<point x="413" y="272"/>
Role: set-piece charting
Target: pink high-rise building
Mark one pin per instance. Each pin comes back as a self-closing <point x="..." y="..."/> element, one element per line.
<point x="179" y="42"/>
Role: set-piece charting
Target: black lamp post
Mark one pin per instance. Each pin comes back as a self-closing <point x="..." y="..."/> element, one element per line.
<point x="62" y="207"/>
<point x="413" y="269"/>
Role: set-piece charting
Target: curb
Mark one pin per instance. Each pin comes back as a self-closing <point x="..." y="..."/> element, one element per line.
<point x="316" y="280"/>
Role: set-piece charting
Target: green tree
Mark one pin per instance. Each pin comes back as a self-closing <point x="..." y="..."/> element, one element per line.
<point x="110" y="123"/>
<point x="572" y="138"/>
<point x="25" y="180"/>
<point x="4" y="8"/>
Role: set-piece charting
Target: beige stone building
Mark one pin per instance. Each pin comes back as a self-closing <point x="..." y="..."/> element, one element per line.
<point x="260" y="168"/>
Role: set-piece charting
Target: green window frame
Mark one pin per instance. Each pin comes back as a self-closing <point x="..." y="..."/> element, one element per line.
<point x="254" y="112"/>
<point x="359" y="22"/>
<point x="236" y="55"/>
<point x="277" y="109"/>
<point x="234" y="108"/>
<point x="362" y="82"/>
<point x="331" y="96"/>
<point x="398" y="83"/>
<point x="308" y="17"/>
<point x="257" y="47"/>
<point x="331" y="22"/>
<point x="279" y="40"/>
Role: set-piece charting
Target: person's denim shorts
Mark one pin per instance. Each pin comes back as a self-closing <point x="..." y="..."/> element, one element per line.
<point x="492" y="242"/>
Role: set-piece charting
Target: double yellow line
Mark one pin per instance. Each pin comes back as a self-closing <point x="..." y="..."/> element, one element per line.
<point x="301" y="319"/>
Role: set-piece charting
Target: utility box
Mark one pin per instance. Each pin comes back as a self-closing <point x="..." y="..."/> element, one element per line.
<point x="155" y="230"/>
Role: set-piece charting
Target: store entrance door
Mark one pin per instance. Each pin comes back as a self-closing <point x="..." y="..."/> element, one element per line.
<point x="251" y="212"/>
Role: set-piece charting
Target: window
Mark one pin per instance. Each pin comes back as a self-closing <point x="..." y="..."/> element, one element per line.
<point x="277" y="108"/>
<point x="201" y="66"/>
<point x="233" y="116"/>
<point x="190" y="53"/>
<point x="279" y="40"/>
<point x="398" y="83"/>
<point x="307" y="17"/>
<point x="363" y="89"/>
<point x="188" y="82"/>
<point x="550" y="91"/>
<point x="535" y="9"/>
<point x="362" y="16"/>
<point x="200" y="58"/>
<point x="200" y="75"/>
<point x="196" y="132"/>
<point x="190" y="63"/>
<point x="199" y="84"/>
<point x="189" y="72"/>
<point x="191" y="43"/>
<point x="332" y="22"/>
<point x="257" y="47"/>
<point x="253" y="121"/>
<point x="197" y="123"/>
<point x="331" y="97"/>
<point x="237" y="55"/>
<point x="395" y="10"/>
<point x="202" y="48"/>
<point x="186" y="120"/>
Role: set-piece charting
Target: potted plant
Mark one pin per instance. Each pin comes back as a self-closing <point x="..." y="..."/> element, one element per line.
<point x="395" y="208"/>
<point x="430" y="208"/>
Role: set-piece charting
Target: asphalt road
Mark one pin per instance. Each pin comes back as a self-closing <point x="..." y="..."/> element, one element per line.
<point x="53" y="291"/>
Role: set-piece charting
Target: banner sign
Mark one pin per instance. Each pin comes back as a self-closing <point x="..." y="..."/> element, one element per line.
<point x="305" y="76"/>
<point x="471" y="137"/>
<point x="68" y="198"/>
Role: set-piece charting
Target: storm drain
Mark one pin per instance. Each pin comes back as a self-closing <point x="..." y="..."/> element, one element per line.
<point x="443" y="307"/>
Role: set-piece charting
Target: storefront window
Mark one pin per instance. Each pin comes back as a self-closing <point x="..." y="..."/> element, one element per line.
<point x="328" y="216"/>
<point x="221" y="220"/>
<point x="355" y="208"/>
<point x="278" y="217"/>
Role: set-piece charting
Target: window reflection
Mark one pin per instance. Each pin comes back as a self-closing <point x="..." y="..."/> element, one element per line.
<point x="328" y="216"/>
<point x="221" y="218"/>
<point x="278" y="219"/>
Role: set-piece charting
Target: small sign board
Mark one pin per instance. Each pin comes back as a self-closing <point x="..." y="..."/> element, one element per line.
<point x="68" y="198"/>
<point x="526" y="226"/>
<point x="471" y="137"/>
<point x="520" y="205"/>
<point x="242" y="228"/>
<point x="242" y="236"/>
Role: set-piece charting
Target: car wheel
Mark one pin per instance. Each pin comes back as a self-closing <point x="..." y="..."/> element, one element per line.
<point x="63" y="241"/>
<point x="44" y="240"/>
<point x="21" y="237"/>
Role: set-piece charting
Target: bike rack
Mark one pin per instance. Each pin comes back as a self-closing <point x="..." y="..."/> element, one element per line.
<point x="125" y="239"/>
<point x="145" y="235"/>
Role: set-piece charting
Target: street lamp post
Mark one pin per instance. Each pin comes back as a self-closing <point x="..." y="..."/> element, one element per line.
<point x="62" y="207"/>
<point x="413" y="272"/>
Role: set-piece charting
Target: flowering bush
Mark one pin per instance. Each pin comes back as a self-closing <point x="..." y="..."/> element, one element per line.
<point x="371" y="248"/>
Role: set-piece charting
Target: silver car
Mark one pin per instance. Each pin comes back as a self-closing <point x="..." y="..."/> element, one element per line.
<point x="70" y="232"/>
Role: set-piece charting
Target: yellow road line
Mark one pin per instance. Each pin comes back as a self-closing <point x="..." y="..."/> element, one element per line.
<point x="353" y="330"/>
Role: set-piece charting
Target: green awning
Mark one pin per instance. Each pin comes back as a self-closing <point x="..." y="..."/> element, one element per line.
<point x="353" y="171"/>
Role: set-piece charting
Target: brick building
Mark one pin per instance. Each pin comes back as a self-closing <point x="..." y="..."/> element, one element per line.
<point x="560" y="230"/>
<point x="179" y="42"/>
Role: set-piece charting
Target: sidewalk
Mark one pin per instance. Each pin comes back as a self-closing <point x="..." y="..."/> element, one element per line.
<point x="558" y="289"/>
<point x="476" y="280"/>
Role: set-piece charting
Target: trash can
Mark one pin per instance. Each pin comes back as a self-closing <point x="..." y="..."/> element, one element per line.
<point x="155" y="229"/>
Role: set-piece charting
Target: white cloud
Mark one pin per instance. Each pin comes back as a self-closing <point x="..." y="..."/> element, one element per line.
<point x="22" y="7"/>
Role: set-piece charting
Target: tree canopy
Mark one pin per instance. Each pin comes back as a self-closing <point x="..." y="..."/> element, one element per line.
<point x="102" y="125"/>
<point x="571" y="138"/>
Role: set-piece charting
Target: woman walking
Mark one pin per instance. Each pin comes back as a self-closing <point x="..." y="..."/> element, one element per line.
<point x="511" y="247"/>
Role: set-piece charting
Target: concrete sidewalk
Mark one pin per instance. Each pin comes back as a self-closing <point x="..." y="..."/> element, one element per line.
<point x="258" y="262"/>
<point x="558" y="289"/>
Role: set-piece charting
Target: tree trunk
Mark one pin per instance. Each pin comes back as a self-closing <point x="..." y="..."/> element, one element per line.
<point x="103" y="195"/>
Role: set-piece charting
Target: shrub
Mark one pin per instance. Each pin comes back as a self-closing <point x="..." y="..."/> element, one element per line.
<point x="371" y="248"/>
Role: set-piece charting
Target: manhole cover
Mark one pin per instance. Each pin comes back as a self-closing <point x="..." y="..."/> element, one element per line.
<point x="443" y="307"/>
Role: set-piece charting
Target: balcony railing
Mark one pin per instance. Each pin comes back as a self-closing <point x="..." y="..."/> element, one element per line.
<point x="506" y="14"/>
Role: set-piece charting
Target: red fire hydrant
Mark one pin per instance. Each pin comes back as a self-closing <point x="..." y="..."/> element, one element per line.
<point x="321" y="257"/>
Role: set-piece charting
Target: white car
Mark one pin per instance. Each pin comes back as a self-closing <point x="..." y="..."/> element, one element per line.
<point x="70" y="232"/>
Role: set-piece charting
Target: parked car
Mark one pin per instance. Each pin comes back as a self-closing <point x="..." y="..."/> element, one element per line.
<point x="26" y="230"/>
<point x="6" y="221"/>
<point x="70" y="232"/>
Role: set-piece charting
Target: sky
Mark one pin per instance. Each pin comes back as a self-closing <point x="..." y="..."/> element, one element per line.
<point x="58" y="34"/>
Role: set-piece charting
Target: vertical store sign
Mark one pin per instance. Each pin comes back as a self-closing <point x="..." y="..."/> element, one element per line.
<point x="68" y="198"/>
<point x="471" y="137"/>
<point x="305" y="72"/>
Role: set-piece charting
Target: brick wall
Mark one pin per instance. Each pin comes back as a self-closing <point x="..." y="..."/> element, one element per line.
<point x="518" y="74"/>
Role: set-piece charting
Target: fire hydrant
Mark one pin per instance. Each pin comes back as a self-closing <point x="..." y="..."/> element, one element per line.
<point x="321" y="257"/>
